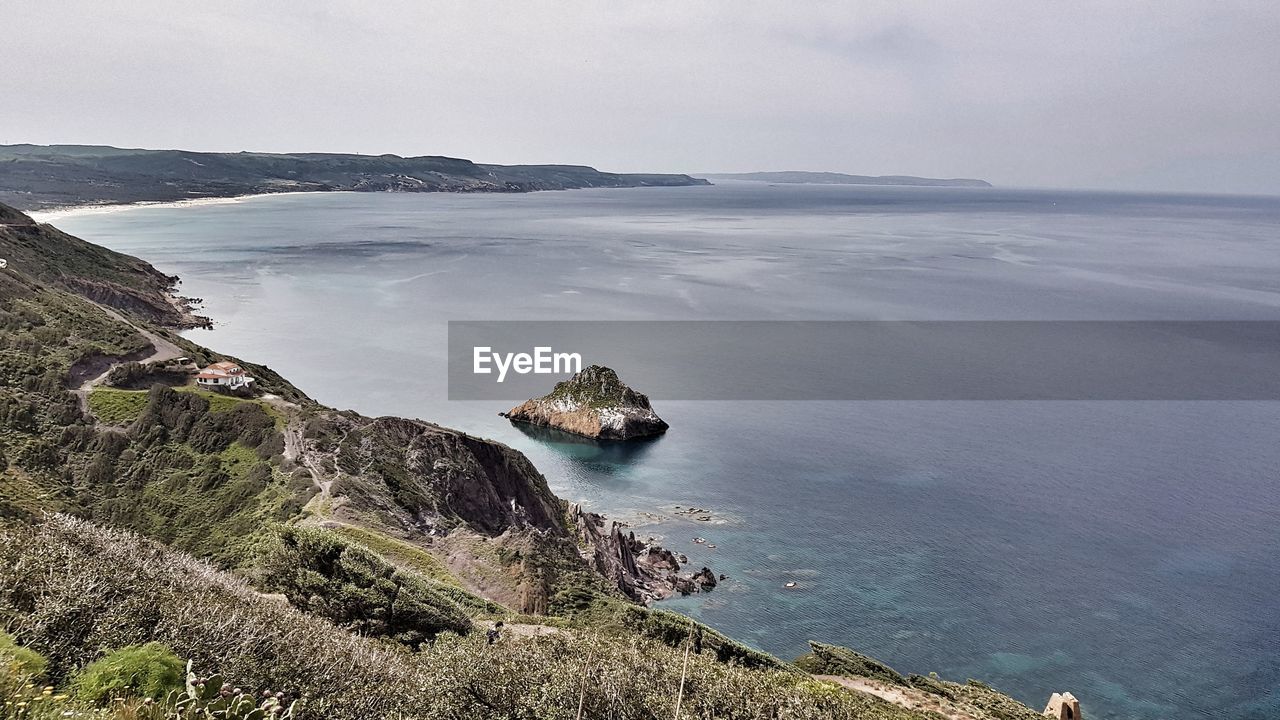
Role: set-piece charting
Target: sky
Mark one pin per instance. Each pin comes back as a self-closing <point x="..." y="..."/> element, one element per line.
<point x="1123" y="94"/>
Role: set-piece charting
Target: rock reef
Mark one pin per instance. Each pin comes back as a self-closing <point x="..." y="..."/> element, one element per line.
<point x="644" y="572"/>
<point x="593" y="403"/>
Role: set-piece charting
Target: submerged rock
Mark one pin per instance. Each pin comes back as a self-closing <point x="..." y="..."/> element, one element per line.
<point x="593" y="403"/>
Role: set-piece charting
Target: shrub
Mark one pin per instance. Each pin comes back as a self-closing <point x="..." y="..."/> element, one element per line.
<point x="321" y="572"/>
<point x="146" y="671"/>
<point x="931" y="684"/>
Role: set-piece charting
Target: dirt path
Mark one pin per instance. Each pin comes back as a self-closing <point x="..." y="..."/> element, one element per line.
<point x="295" y="450"/>
<point x="162" y="350"/>
<point x="905" y="697"/>
<point x="524" y="630"/>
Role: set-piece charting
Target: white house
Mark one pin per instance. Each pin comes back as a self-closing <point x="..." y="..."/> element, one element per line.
<point x="226" y="375"/>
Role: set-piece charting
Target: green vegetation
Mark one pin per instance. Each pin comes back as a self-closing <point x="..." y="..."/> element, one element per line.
<point x="203" y="480"/>
<point x="982" y="701"/>
<point x="616" y="616"/>
<point x="400" y="553"/>
<point x="218" y="402"/>
<point x="44" y="332"/>
<point x="139" y="671"/>
<point x="932" y="684"/>
<point x="215" y="699"/>
<point x="77" y="587"/>
<point x="322" y="573"/>
<point x="594" y="387"/>
<point x="165" y="475"/>
<point x="125" y="685"/>
<point x="202" y="474"/>
<point x="117" y="407"/>
<point x="34" y="176"/>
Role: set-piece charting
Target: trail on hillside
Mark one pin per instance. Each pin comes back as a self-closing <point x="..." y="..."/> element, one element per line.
<point x="162" y="350"/>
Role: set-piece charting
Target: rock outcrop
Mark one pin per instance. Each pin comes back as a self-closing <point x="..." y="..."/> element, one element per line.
<point x="593" y="403"/>
<point x="415" y="476"/>
<point x="644" y="572"/>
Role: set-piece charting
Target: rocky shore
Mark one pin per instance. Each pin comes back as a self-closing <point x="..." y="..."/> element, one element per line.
<point x="645" y="572"/>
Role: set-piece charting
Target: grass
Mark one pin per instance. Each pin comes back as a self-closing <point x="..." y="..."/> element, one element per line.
<point x="218" y="402"/>
<point x="117" y="407"/>
<point x="121" y="407"/>
<point x="18" y="492"/>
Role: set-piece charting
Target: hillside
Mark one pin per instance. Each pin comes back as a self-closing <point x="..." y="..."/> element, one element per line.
<point x="833" y="178"/>
<point x="76" y="587"/>
<point x="351" y="563"/>
<point x="49" y="256"/>
<point x="40" y="176"/>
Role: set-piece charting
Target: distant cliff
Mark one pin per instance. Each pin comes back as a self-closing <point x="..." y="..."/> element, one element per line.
<point x="38" y="176"/>
<point x="832" y="178"/>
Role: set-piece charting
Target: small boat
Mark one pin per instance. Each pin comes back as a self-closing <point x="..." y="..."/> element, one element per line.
<point x="711" y="546"/>
<point x="791" y="584"/>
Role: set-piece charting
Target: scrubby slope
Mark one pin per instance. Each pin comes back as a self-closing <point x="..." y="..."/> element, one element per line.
<point x="69" y="590"/>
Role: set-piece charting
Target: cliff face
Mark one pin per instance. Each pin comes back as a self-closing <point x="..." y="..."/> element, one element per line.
<point x="423" y="478"/>
<point x="593" y="403"/>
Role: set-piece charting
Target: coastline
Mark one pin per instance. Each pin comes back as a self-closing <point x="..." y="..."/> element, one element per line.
<point x="63" y="211"/>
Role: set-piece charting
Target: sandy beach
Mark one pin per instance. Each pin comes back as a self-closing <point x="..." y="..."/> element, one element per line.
<point x="53" y="214"/>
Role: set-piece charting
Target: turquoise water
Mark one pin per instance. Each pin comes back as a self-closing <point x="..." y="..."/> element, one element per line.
<point x="1125" y="551"/>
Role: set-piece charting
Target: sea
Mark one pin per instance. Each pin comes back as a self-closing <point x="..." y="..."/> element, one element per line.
<point x="1125" y="551"/>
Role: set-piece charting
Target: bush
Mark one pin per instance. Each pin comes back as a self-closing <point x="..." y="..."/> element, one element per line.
<point x="321" y="572"/>
<point x="140" y="671"/>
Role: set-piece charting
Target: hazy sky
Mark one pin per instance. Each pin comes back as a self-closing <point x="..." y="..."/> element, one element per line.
<point x="1116" y="94"/>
